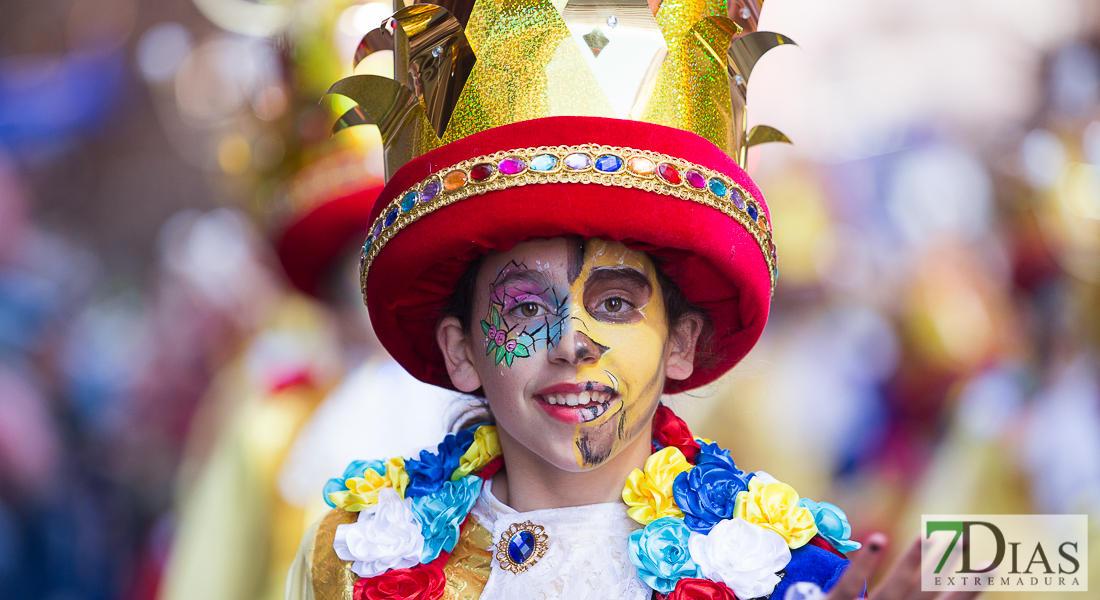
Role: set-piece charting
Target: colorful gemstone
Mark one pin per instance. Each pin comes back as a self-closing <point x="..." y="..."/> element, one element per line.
<point x="512" y="166"/>
<point x="377" y="229"/>
<point x="544" y="163"/>
<point x="738" y="199"/>
<point x="482" y="171"/>
<point x="695" y="179"/>
<point x="408" y="202"/>
<point x="753" y="211"/>
<point x="641" y="165"/>
<point x="521" y="546"/>
<point x="391" y="217"/>
<point x="717" y="187"/>
<point x="669" y="173"/>
<point x="454" y="180"/>
<point x="430" y="191"/>
<point x="609" y="163"/>
<point x="578" y="161"/>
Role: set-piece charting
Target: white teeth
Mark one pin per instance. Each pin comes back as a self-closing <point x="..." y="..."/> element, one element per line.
<point x="581" y="399"/>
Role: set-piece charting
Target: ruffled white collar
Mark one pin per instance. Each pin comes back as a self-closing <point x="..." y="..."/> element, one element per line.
<point x="586" y="555"/>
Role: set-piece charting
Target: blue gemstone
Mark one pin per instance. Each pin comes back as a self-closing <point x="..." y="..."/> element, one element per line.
<point x="521" y="546"/>
<point x="753" y="212"/>
<point x="543" y="163"/>
<point x="408" y="202"/>
<point x="609" y="163"/>
<point x="717" y="187"/>
<point x="390" y="218"/>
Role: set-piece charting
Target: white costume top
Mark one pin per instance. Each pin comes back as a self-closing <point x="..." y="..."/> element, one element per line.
<point x="586" y="555"/>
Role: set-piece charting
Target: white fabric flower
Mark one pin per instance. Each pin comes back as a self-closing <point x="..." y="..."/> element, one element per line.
<point x="765" y="478"/>
<point x="742" y="555"/>
<point x="386" y="536"/>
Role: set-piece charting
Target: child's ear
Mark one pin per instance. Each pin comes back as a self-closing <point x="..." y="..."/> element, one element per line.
<point x="452" y="340"/>
<point x="684" y="337"/>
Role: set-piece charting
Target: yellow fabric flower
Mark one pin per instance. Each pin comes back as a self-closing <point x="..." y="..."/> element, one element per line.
<point x="485" y="448"/>
<point x="775" y="506"/>
<point x="649" y="494"/>
<point x="363" y="491"/>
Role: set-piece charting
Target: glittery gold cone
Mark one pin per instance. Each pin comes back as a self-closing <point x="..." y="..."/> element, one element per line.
<point x="496" y="62"/>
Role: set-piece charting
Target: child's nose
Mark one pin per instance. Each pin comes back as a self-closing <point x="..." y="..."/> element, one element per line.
<point x="577" y="348"/>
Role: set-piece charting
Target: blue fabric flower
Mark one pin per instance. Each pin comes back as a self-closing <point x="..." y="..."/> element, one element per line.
<point x="832" y="524"/>
<point x="441" y="514"/>
<point x="427" y="475"/>
<point x="707" y="493"/>
<point x="355" y="469"/>
<point x="660" y="552"/>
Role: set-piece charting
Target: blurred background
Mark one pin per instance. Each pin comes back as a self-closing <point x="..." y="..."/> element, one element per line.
<point x="181" y="342"/>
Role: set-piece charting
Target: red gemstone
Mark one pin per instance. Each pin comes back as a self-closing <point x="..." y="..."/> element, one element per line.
<point x="669" y="173"/>
<point x="481" y="172"/>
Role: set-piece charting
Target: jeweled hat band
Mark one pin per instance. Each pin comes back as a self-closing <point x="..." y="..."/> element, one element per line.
<point x="588" y="164"/>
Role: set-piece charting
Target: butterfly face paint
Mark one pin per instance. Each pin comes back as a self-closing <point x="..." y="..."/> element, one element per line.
<point x="573" y="347"/>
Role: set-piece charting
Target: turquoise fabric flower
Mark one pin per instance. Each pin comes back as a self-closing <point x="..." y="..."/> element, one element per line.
<point x="832" y="524"/>
<point x="355" y="469"/>
<point x="660" y="551"/>
<point x="441" y="514"/>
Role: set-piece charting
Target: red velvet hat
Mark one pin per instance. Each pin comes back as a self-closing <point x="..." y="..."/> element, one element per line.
<point x="503" y="125"/>
<point x="332" y="199"/>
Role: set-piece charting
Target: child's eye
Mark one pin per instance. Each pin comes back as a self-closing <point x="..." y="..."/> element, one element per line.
<point x="529" y="309"/>
<point x="616" y="304"/>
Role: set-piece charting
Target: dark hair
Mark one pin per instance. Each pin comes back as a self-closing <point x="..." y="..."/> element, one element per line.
<point x="677" y="306"/>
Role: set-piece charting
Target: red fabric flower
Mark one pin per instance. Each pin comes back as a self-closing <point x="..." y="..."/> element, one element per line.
<point x="422" y="582"/>
<point x="700" y="589"/>
<point x="670" y="430"/>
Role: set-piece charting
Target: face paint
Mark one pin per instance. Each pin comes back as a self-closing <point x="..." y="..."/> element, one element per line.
<point x="591" y="319"/>
<point x="611" y="297"/>
<point x="525" y="311"/>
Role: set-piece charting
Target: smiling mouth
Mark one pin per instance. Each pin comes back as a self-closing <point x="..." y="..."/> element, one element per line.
<point x="585" y="404"/>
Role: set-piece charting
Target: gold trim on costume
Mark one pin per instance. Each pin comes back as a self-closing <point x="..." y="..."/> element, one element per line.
<point x="640" y="169"/>
<point x="467" y="570"/>
<point x="332" y="577"/>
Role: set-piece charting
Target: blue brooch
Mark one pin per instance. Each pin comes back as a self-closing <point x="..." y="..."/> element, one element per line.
<point x="521" y="546"/>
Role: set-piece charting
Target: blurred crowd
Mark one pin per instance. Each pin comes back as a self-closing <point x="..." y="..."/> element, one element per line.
<point x="176" y="371"/>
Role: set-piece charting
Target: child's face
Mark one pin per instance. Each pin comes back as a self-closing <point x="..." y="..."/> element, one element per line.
<point x="570" y="343"/>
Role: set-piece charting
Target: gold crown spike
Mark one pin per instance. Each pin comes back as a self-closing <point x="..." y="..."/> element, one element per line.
<point x="466" y="66"/>
<point x="399" y="115"/>
<point x="743" y="54"/>
<point x="461" y="9"/>
<point x="431" y="44"/>
<point x="377" y="39"/>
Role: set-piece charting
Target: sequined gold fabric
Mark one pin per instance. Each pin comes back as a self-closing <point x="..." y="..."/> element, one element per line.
<point x="467" y="570"/>
<point x="692" y="89"/>
<point x="518" y="60"/>
<point x="332" y="577"/>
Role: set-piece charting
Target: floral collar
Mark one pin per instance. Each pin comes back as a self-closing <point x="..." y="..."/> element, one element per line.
<point x="710" y="530"/>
